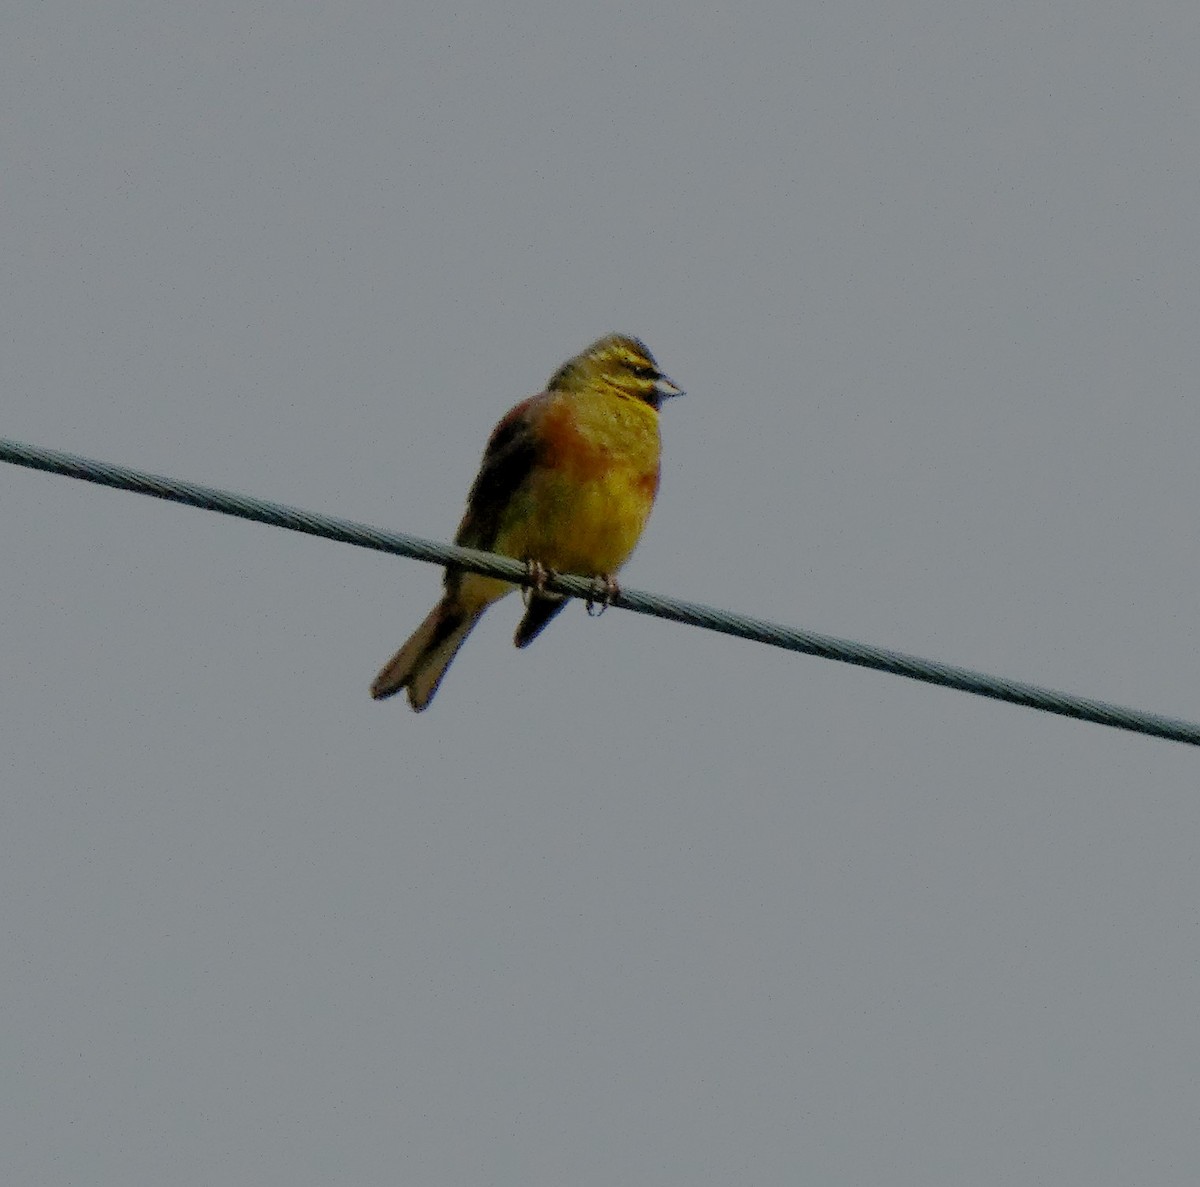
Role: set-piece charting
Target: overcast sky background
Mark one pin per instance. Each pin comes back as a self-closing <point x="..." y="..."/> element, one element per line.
<point x="643" y="904"/>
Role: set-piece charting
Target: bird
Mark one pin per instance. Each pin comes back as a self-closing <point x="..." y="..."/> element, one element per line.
<point x="566" y="484"/>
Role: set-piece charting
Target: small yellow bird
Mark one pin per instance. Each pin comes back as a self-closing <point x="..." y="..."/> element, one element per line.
<point x="566" y="485"/>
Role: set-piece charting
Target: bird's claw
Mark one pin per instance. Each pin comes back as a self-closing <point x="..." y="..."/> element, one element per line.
<point x="536" y="575"/>
<point x="603" y="593"/>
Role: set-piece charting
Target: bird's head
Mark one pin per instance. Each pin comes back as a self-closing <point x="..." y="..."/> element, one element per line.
<point x="619" y="364"/>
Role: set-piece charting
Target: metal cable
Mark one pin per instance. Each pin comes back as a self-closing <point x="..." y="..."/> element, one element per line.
<point x="691" y="613"/>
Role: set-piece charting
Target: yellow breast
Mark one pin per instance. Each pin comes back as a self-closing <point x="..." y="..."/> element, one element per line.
<point x="584" y="507"/>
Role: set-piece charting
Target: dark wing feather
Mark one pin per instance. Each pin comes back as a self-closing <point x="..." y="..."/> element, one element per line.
<point x="511" y="454"/>
<point x="541" y="609"/>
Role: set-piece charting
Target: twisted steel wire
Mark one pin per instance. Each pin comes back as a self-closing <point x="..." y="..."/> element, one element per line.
<point x="692" y="613"/>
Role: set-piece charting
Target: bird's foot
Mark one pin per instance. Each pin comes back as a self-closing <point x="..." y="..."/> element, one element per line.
<point x="603" y="593"/>
<point x="537" y="575"/>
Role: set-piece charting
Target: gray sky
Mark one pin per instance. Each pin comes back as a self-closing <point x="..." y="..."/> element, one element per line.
<point x="640" y="905"/>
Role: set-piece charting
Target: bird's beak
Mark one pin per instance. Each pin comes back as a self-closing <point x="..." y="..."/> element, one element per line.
<point x="664" y="387"/>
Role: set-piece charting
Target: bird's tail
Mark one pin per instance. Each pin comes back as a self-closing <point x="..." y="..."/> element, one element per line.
<point x="422" y="662"/>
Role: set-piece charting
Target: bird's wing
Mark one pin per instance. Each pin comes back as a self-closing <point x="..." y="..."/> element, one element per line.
<point x="512" y="452"/>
